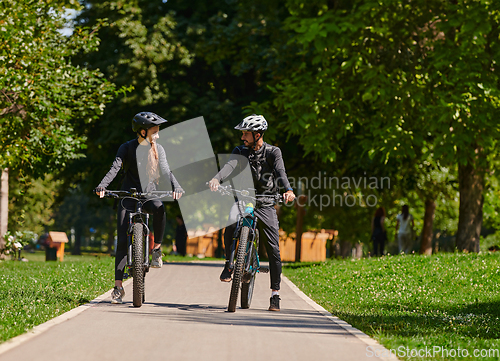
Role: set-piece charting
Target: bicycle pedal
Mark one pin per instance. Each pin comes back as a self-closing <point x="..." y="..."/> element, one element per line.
<point x="247" y="277"/>
<point x="264" y="269"/>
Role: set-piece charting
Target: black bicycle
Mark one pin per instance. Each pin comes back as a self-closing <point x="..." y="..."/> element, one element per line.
<point x="138" y="238"/>
<point x="244" y="260"/>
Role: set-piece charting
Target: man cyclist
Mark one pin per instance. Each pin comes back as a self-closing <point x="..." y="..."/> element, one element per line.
<point x="267" y="167"/>
<point x="140" y="158"/>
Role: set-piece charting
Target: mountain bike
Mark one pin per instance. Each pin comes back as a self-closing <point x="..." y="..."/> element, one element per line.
<point x="244" y="262"/>
<point x="138" y="238"/>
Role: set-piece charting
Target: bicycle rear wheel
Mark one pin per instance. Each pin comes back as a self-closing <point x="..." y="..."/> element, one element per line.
<point x="247" y="287"/>
<point x="238" y="269"/>
<point x="138" y="266"/>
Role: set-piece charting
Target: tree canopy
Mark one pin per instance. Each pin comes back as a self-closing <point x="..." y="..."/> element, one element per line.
<point x="43" y="96"/>
<point x="397" y="89"/>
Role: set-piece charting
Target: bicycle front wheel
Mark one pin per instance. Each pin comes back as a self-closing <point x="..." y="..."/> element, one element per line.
<point x="138" y="266"/>
<point x="238" y="269"/>
<point x="247" y="287"/>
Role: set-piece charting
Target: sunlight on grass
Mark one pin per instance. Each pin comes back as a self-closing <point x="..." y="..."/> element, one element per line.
<point x="36" y="291"/>
<point x="449" y="300"/>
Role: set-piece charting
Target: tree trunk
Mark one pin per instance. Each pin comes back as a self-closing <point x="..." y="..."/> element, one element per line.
<point x="427" y="231"/>
<point x="470" y="218"/>
<point x="301" y="210"/>
<point x="4" y="206"/>
<point x="78" y="240"/>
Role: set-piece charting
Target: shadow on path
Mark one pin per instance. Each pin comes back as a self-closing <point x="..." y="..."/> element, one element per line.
<point x="291" y="320"/>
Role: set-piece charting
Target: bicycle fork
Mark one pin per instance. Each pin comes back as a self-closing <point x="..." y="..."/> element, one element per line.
<point x="130" y="234"/>
<point x="251" y="246"/>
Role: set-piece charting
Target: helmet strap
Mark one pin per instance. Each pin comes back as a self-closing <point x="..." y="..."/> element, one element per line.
<point x="145" y="137"/>
<point x="255" y="140"/>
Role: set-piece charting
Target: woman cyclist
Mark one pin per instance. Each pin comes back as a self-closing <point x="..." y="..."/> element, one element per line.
<point x="141" y="159"/>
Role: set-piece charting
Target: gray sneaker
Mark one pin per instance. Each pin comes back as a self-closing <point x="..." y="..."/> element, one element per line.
<point x="117" y="295"/>
<point x="156" y="262"/>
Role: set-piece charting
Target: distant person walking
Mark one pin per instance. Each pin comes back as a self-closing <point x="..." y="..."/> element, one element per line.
<point x="405" y="232"/>
<point x="379" y="234"/>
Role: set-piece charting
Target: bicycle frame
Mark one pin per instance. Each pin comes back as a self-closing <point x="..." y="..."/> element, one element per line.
<point x="245" y="221"/>
<point x="137" y="217"/>
<point x="137" y="261"/>
<point x="244" y="246"/>
<point x="249" y="220"/>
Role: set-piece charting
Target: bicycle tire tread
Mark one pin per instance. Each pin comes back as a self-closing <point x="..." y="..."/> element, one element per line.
<point x="138" y="267"/>
<point x="238" y="269"/>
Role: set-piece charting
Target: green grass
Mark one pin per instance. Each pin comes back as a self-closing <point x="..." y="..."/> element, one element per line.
<point x="34" y="292"/>
<point x="412" y="302"/>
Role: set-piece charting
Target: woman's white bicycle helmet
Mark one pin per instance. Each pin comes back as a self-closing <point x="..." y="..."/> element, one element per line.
<point x="253" y="123"/>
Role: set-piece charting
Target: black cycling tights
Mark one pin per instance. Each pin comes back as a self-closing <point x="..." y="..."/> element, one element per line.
<point x="154" y="207"/>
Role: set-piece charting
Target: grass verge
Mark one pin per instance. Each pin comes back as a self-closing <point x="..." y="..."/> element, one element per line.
<point x="448" y="304"/>
<point x="34" y="292"/>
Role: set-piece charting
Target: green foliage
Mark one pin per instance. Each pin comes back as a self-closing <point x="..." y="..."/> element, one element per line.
<point x="140" y="46"/>
<point x="84" y="211"/>
<point x="31" y="202"/>
<point x="418" y="78"/>
<point x="491" y="206"/>
<point x="413" y="85"/>
<point x="16" y="241"/>
<point x="46" y="103"/>
<point x="174" y="54"/>
<point x="43" y="96"/>
<point x="448" y="300"/>
<point x="491" y="242"/>
<point x="349" y="88"/>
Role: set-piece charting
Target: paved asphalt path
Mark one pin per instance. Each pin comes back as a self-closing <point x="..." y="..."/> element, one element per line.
<point x="185" y="318"/>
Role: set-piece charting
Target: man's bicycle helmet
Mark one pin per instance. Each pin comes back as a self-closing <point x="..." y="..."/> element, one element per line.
<point x="146" y="120"/>
<point x="253" y="123"/>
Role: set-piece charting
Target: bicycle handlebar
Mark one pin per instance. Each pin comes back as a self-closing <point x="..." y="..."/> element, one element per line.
<point x="134" y="194"/>
<point x="229" y="190"/>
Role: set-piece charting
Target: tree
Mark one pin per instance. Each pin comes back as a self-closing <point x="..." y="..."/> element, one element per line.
<point x="418" y="77"/>
<point x="31" y="202"/>
<point x="180" y="49"/>
<point x="44" y="98"/>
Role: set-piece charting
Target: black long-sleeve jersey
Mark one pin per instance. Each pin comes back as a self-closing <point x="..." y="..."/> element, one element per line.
<point x="267" y="166"/>
<point x="132" y="159"/>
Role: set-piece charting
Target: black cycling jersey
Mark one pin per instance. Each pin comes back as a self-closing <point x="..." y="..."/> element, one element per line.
<point x="131" y="159"/>
<point x="266" y="164"/>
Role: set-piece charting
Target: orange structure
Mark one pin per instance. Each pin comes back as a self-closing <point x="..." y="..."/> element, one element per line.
<point x="201" y="244"/>
<point x="313" y="245"/>
<point x="312" y="248"/>
<point x="57" y="240"/>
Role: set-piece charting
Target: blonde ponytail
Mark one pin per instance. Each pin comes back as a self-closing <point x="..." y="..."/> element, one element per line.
<point x="153" y="163"/>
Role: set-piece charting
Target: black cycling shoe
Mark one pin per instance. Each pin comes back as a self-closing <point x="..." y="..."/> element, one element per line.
<point x="225" y="276"/>
<point x="275" y="303"/>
